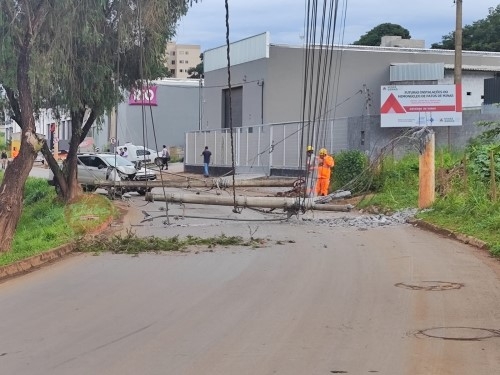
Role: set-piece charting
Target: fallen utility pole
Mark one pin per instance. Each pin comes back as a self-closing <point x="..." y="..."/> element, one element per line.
<point x="211" y="183"/>
<point x="245" y="201"/>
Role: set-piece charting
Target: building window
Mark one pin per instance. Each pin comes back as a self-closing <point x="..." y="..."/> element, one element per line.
<point x="172" y="71"/>
<point x="180" y="70"/>
<point x="187" y="52"/>
<point x="181" y="52"/>
<point x="173" y="53"/>
<point x="173" y="62"/>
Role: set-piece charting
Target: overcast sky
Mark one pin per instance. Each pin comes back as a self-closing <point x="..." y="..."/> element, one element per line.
<point x="284" y="19"/>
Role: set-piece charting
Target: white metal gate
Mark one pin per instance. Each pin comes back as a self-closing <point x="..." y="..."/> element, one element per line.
<point x="258" y="149"/>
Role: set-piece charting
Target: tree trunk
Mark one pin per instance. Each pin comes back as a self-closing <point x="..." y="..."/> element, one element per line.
<point x="71" y="164"/>
<point x="66" y="179"/>
<point x="59" y="180"/>
<point x="12" y="187"/>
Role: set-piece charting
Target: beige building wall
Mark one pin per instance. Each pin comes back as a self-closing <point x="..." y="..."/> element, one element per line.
<point x="181" y="57"/>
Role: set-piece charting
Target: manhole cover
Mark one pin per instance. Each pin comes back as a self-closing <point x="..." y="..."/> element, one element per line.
<point x="430" y="285"/>
<point x="458" y="333"/>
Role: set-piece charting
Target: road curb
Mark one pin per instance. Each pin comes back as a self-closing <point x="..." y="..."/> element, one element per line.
<point x="36" y="261"/>
<point x="469" y="240"/>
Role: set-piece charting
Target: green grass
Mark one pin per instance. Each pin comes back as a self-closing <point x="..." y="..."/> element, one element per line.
<point x="464" y="206"/>
<point x="468" y="210"/>
<point x="47" y="223"/>
<point x="399" y="185"/>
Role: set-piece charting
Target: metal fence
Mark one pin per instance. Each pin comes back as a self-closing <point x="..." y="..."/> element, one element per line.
<point x="259" y="149"/>
<point x="275" y="149"/>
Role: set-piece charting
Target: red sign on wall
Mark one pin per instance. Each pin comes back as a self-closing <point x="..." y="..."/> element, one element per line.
<point x="144" y="96"/>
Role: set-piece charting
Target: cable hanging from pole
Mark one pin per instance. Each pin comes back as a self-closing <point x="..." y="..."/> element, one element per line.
<point x="143" y="112"/>
<point x="321" y="75"/>
<point x="235" y="208"/>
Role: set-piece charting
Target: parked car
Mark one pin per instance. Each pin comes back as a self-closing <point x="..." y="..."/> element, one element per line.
<point x="111" y="167"/>
<point x="141" y="154"/>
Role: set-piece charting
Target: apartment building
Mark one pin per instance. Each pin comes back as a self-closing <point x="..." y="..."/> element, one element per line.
<point x="181" y="57"/>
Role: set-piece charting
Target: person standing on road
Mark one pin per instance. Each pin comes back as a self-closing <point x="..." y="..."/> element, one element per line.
<point x="165" y="157"/>
<point x="325" y="165"/>
<point x="206" y="160"/>
<point x="4" y="159"/>
<point x="311" y="164"/>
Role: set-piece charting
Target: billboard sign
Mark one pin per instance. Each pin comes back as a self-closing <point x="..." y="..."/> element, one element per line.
<point x="420" y="105"/>
<point x="144" y="96"/>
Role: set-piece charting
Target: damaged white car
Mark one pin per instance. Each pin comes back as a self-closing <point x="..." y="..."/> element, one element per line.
<point x="110" y="167"/>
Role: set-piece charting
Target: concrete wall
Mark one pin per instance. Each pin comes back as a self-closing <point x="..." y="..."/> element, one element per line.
<point x="178" y="112"/>
<point x="359" y="67"/>
<point x="249" y="76"/>
<point x="473" y="86"/>
<point x="275" y="149"/>
<point x="397" y="141"/>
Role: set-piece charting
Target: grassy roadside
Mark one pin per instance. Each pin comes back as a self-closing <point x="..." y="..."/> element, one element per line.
<point x="463" y="197"/>
<point x="47" y="223"/>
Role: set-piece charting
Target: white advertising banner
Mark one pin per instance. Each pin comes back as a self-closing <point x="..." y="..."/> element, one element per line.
<point x="420" y="105"/>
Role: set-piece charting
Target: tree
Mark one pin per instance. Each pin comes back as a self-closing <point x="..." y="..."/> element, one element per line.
<point x="20" y="23"/>
<point x="87" y="53"/>
<point x="102" y="61"/>
<point x="197" y="72"/>
<point x="374" y="36"/>
<point x="482" y="35"/>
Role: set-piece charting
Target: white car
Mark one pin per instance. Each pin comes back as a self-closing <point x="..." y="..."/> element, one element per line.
<point x="109" y="167"/>
<point x="140" y="153"/>
<point x="92" y="167"/>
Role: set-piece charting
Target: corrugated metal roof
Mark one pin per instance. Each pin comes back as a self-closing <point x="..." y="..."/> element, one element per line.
<point x="245" y="50"/>
<point x="479" y="68"/>
<point x="178" y="82"/>
<point x="416" y="72"/>
<point x="420" y="51"/>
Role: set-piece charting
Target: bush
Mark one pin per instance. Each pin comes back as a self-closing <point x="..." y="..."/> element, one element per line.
<point x="479" y="160"/>
<point x="351" y="172"/>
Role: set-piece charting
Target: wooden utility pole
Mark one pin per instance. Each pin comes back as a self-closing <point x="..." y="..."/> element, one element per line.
<point x="426" y="171"/>
<point x="458" y="44"/>
<point x="458" y="61"/>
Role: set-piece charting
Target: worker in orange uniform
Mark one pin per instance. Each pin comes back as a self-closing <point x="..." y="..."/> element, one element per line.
<point x="325" y="165"/>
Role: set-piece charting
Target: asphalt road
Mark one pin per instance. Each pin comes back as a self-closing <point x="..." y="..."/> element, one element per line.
<point x="314" y="300"/>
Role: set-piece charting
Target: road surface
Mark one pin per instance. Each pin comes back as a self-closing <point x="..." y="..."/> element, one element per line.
<point x="314" y="300"/>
